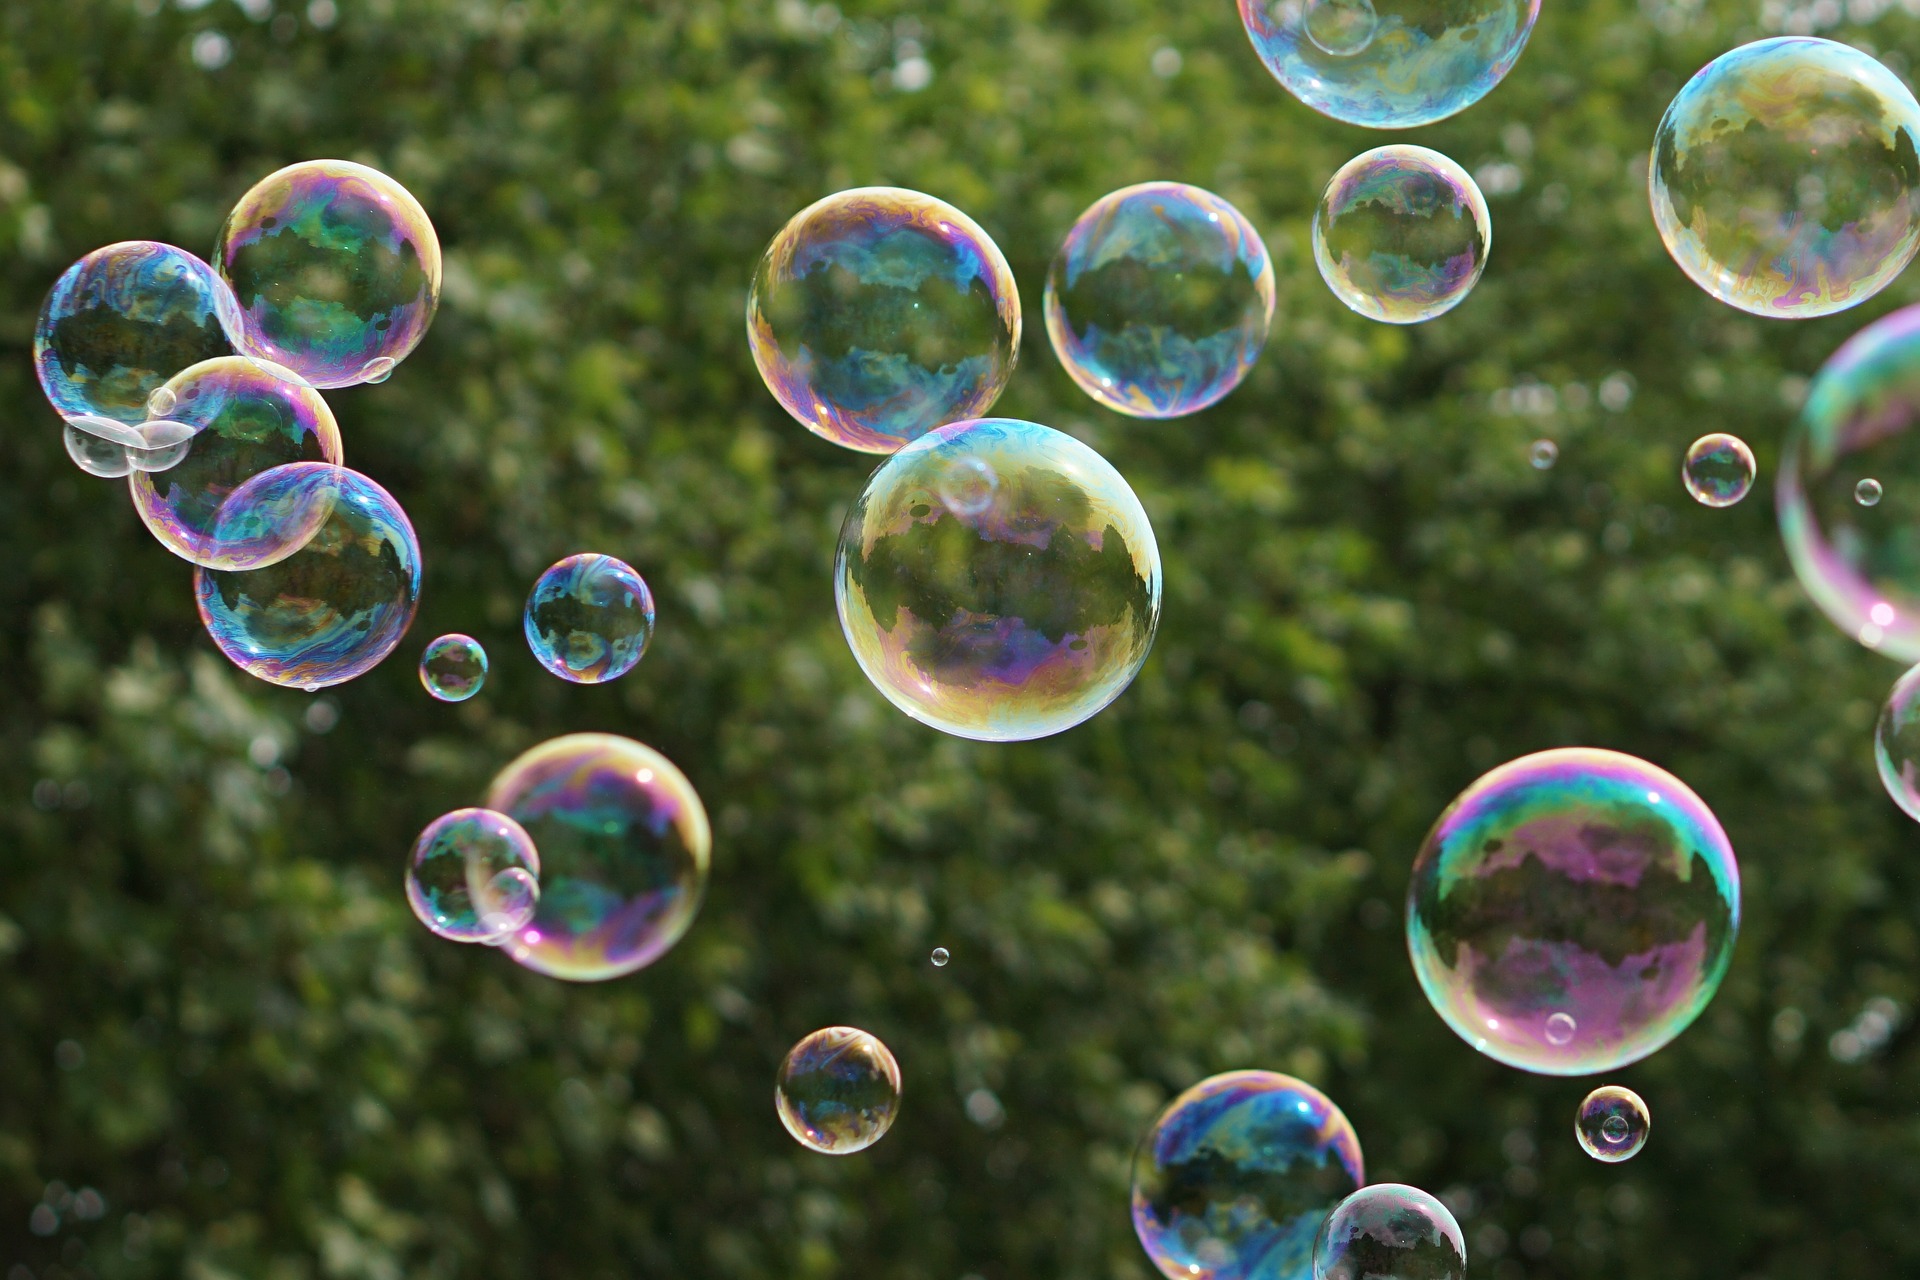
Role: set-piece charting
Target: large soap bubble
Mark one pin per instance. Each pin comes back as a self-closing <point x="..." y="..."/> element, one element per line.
<point x="998" y="580"/>
<point x="335" y="608"/>
<point x="1401" y="234"/>
<point x="1572" y="911"/>
<point x="879" y="314"/>
<point x="1237" y="1174"/>
<point x="1159" y="300"/>
<point x="1784" y="177"/>
<point x="1389" y="64"/>
<point x="474" y="876"/>
<point x="838" y="1091"/>
<point x="624" y="846"/>
<point x="1390" y="1231"/>
<point x="336" y="268"/>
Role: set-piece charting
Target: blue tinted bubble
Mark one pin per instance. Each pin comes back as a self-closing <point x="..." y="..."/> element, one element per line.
<point x="589" y="619"/>
<point x="1390" y="1231"/>
<point x="453" y="667"/>
<point x="474" y="876"/>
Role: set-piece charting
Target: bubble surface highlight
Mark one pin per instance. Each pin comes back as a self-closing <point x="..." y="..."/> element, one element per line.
<point x="1401" y="234"/>
<point x="1612" y="1124"/>
<point x="1390" y="1231"/>
<point x="473" y="876"/>
<point x="838" y="1091"/>
<point x="589" y="619"/>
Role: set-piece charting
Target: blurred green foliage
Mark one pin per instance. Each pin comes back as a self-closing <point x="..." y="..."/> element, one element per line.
<point x="229" y="1051"/>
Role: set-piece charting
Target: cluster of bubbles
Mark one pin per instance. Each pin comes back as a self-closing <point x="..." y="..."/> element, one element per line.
<point x="838" y="1091"/>
<point x="1612" y="1124"/>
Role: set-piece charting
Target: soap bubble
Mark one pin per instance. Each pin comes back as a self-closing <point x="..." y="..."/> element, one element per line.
<point x="1402" y="234"/>
<point x="1896" y="743"/>
<point x="247" y="420"/>
<point x="1389" y="64"/>
<point x="1237" y="1174"/>
<point x="1855" y="441"/>
<point x="1572" y="911"/>
<point x="589" y="619"/>
<point x="1159" y="300"/>
<point x="105" y="448"/>
<point x="838" y="1091"/>
<point x="624" y="846"/>
<point x="940" y="957"/>
<point x="879" y="314"/>
<point x="453" y="667"/>
<point x="1784" y="179"/>
<point x="1543" y="454"/>
<point x="123" y="320"/>
<point x="1612" y="1124"/>
<point x="474" y="876"/>
<point x="1015" y="622"/>
<point x="1389" y="1231"/>
<point x="1718" y="470"/>
<point x="336" y="268"/>
<point x="333" y="609"/>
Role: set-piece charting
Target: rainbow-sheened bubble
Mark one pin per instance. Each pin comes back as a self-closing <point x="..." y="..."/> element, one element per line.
<point x="1784" y="178"/>
<point x="998" y="580"/>
<point x="1389" y="64"/>
<point x="1573" y="911"/>
<point x="1718" y="470"/>
<point x="1848" y="492"/>
<point x="624" y="848"/>
<point x="333" y="609"/>
<point x="474" y="876"/>
<point x="1402" y="234"/>
<point x="336" y="268"/>
<point x="1237" y="1175"/>
<point x="121" y="321"/>
<point x="838" y="1091"/>
<point x="1159" y="300"/>
<point x="1390" y="1231"/>
<point x="1896" y="744"/>
<point x="246" y="420"/>
<point x="589" y="618"/>
<point x="453" y="667"/>
<point x="1612" y="1124"/>
<point x="878" y="314"/>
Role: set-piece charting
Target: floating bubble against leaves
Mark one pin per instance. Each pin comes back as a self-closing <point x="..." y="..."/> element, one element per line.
<point x="105" y="448"/>
<point x="453" y="667"/>
<point x="940" y="957"/>
<point x="336" y="269"/>
<point x="1572" y="911"/>
<point x="1389" y="64"/>
<point x="1848" y="492"/>
<point x="838" y="1091"/>
<point x="1389" y="1231"/>
<point x="1401" y="234"/>
<point x="1543" y="454"/>
<point x="123" y="320"/>
<point x="589" y="618"/>
<point x="247" y="419"/>
<point x="474" y="876"/>
<point x="624" y="847"/>
<point x="335" y="608"/>
<point x="1719" y="470"/>
<point x="1015" y="621"/>
<point x="1159" y="301"/>
<point x="1896" y="743"/>
<point x="1784" y="178"/>
<point x="1612" y="1124"/>
<point x="879" y="314"/>
<point x="1237" y="1174"/>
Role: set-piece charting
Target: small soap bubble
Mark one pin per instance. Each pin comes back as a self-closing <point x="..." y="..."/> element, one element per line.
<point x="1390" y="1231"/>
<point x="473" y="875"/>
<point x="1718" y="470"/>
<point x="378" y="369"/>
<point x="1896" y="743"/>
<point x="940" y="957"/>
<point x="1560" y="1028"/>
<point x="1341" y="27"/>
<point x="838" y="1091"/>
<point x="453" y="667"/>
<point x="589" y="619"/>
<point x="1159" y="300"/>
<point x="879" y="314"/>
<point x="99" y="446"/>
<point x="967" y="486"/>
<point x="160" y="403"/>
<point x="1543" y="454"/>
<point x="1867" y="493"/>
<point x="1401" y="234"/>
<point x="1237" y="1175"/>
<point x="1612" y="1124"/>
<point x="164" y="445"/>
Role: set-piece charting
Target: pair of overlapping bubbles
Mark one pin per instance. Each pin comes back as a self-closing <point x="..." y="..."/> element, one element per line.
<point x="587" y="861"/>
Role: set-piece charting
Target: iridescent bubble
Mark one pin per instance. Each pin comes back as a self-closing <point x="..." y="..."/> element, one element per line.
<point x="879" y="314"/>
<point x="1236" y="1176"/>
<point x="1784" y="180"/>
<point x="589" y="618"/>
<point x="105" y="448"/>
<point x="333" y="609"/>
<point x="1389" y="64"/>
<point x="1159" y="301"/>
<point x="838" y="1091"/>
<point x="1013" y="622"/>
<point x="1543" y="454"/>
<point x="474" y="876"/>
<point x="1896" y="743"/>
<point x="1718" y="470"/>
<point x="1848" y="492"/>
<point x="1402" y="234"/>
<point x="1612" y="1124"/>
<point x="247" y="419"/>
<point x="336" y="268"/>
<point x="1390" y="1231"/>
<point x="940" y="957"/>
<point x="123" y="320"/>
<point x="453" y="667"/>
<point x="1572" y="911"/>
<point x="624" y="847"/>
